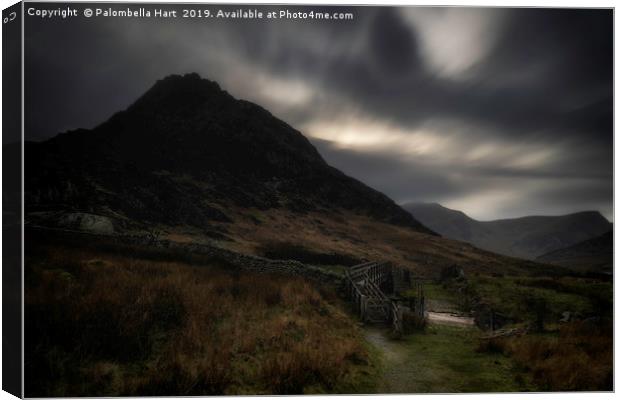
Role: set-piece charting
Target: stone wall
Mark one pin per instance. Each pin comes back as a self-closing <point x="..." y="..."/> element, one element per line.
<point x="244" y="261"/>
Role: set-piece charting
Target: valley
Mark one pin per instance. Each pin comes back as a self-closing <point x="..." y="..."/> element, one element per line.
<point x="194" y="244"/>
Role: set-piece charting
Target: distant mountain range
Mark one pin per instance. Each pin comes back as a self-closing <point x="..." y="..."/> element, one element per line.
<point x="526" y="237"/>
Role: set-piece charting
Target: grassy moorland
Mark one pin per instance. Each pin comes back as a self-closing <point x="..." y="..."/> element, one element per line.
<point x="552" y="356"/>
<point x="100" y="323"/>
<point x="519" y="296"/>
<point x="455" y="359"/>
<point x="573" y="293"/>
<point x="104" y="318"/>
<point x="445" y="359"/>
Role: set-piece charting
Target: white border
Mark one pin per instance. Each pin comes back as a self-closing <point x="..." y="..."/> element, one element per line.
<point x="476" y="3"/>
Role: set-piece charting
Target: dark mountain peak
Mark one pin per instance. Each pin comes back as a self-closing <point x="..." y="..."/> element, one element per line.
<point x="191" y="77"/>
<point x="183" y="94"/>
<point x="186" y="145"/>
<point x="189" y="124"/>
<point x="193" y="92"/>
<point x="191" y="83"/>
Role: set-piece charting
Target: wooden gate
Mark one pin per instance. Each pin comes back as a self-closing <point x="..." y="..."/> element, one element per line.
<point x="363" y="285"/>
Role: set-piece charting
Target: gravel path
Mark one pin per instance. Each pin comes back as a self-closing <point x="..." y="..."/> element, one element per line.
<point x="407" y="372"/>
<point x="396" y="373"/>
<point x="449" y="319"/>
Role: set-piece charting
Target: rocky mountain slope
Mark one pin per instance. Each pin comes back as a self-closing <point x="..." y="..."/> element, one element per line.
<point x="183" y="154"/>
<point x="527" y="237"/>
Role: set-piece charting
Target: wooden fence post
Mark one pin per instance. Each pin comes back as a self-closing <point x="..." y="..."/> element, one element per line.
<point x="363" y="308"/>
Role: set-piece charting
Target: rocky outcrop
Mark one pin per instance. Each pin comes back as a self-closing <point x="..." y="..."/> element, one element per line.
<point x="73" y="221"/>
<point x="87" y="223"/>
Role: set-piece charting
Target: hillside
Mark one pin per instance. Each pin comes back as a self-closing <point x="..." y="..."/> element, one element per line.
<point x="526" y="237"/>
<point x="188" y="162"/>
<point x="184" y="153"/>
<point x="106" y="324"/>
<point x="594" y="254"/>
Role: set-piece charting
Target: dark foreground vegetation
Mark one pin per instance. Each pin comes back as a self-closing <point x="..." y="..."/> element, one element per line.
<point x="104" y="323"/>
<point x="568" y="319"/>
<point x="107" y="318"/>
<point x="577" y="356"/>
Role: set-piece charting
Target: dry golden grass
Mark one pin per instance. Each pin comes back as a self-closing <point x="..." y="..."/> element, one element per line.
<point x="578" y="357"/>
<point x="103" y="324"/>
<point x="353" y="236"/>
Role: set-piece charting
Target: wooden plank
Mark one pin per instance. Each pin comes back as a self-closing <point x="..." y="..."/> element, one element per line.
<point x="363" y="282"/>
<point x="360" y="266"/>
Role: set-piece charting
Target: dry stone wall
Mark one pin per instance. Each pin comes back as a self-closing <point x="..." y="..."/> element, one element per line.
<point x="244" y="261"/>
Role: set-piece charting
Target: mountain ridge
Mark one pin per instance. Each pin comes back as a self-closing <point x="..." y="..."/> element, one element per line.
<point x="592" y="255"/>
<point x="524" y="237"/>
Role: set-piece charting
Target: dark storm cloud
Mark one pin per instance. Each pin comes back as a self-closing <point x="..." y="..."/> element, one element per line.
<point x="524" y="99"/>
<point x="521" y="193"/>
<point x="568" y="55"/>
<point x="549" y="70"/>
<point x="393" y="44"/>
<point x="404" y="180"/>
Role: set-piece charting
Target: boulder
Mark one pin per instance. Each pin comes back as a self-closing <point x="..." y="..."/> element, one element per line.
<point x="85" y="222"/>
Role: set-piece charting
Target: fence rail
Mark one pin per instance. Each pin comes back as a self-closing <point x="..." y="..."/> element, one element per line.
<point x="363" y="284"/>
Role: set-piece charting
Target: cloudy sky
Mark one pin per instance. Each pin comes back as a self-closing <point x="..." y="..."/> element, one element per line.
<point x="496" y="112"/>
